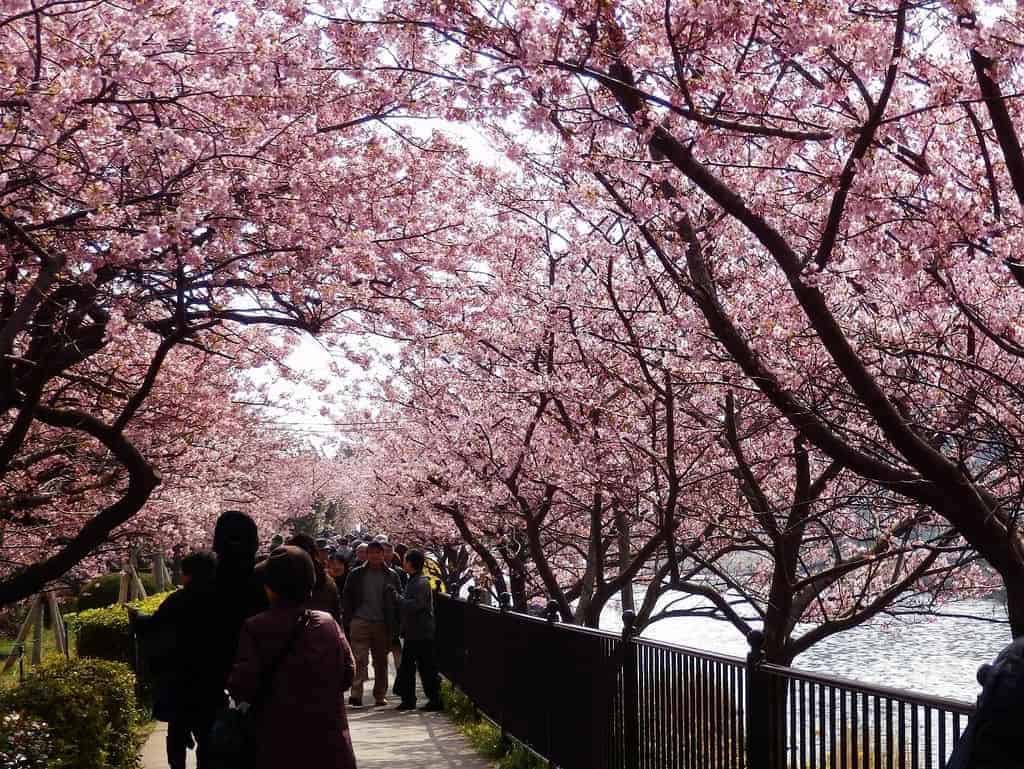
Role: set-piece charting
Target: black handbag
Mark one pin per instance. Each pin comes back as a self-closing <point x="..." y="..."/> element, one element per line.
<point x="234" y="737"/>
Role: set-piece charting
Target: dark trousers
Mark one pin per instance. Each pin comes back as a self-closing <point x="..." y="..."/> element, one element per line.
<point x="191" y="727"/>
<point x="418" y="654"/>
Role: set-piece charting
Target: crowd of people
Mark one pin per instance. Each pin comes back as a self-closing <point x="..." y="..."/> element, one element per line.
<point x="287" y="637"/>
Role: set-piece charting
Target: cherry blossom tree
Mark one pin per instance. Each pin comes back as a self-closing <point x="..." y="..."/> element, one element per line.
<point x="829" y="186"/>
<point x="175" y="176"/>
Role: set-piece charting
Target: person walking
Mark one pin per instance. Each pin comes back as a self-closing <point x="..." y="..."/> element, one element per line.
<point x="300" y="706"/>
<point x="390" y="560"/>
<point x="416" y="609"/>
<point x="359" y="555"/>
<point x="337" y="569"/>
<point x="325" y="596"/>
<point x="239" y="595"/>
<point x="172" y="643"/>
<point x="370" y="618"/>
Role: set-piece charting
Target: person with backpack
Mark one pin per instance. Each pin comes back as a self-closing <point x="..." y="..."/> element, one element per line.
<point x="992" y="739"/>
<point x="292" y="669"/>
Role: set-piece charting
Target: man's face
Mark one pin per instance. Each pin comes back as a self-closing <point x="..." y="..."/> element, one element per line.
<point x="375" y="557"/>
<point x="408" y="567"/>
<point x="333" y="568"/>
<point x="361" y="553"/>
<point x="389" y="553"/>
<point x="322" y="556"/>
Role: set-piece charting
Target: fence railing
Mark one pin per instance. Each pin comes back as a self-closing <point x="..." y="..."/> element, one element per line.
<point x="590" y="699"/>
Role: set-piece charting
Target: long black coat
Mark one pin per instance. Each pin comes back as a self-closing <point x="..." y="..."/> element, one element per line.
<point x="240" y="595"/>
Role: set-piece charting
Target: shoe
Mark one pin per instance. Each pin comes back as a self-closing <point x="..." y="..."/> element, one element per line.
<point x="406" y="706"/>
<point x="354" y="702"/>
<point x="380" y="703"/>
<point x="432" y="707"/>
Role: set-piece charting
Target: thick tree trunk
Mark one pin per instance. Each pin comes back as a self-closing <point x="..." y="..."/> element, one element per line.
<point x="142" y="480"/>
<point x="622" y="527"/>
<point x="1015" y="604"/>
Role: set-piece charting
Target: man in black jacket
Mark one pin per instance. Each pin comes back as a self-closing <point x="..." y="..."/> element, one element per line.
<point x="370" y="617"/>
<point x="416" y="606"/>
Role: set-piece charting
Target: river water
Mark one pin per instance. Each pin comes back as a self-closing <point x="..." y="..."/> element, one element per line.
<point x="938" y="656"/>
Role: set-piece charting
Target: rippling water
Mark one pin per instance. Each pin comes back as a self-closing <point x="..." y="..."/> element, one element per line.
<point x="937" y="656"/>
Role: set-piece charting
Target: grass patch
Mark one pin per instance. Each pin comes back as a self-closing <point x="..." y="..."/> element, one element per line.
<point x="484" y="736"/>
<point x="49" y="649"/>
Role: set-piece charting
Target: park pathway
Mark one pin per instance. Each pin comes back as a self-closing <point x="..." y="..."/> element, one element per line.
<point x="384" y="738"/>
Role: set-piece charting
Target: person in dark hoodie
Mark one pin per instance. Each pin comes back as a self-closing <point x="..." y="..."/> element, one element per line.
<point x="239" y="595"/>
<point x="325" y="595"/>
<point x="992" y="738"/>
<point x="172" y="645"/>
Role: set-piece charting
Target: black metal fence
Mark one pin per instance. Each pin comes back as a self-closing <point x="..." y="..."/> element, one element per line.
<point x="589" y="699"/>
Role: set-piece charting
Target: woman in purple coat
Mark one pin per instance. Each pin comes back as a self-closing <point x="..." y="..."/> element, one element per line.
<point x="302" y="719"/>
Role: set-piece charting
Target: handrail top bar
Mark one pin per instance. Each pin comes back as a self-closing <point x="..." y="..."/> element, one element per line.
<point x="889" y="692"/>
<point x="583" y="630"/>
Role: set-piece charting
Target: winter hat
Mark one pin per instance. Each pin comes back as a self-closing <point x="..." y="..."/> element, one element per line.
<point x="288" y="571"/>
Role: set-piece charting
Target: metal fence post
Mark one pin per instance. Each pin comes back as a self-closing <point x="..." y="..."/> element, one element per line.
<point x="551" y="615"/>
<point x="474" y="600"/>
<point x="505" y="602"/>
<point x="630" y="692"/>
<point x="759" y="744"/>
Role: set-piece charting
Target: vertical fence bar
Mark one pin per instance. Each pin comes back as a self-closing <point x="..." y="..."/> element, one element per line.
<point x="854" y="733"/>
<point x="630" y="701"/>
<point x="505" y="602"/>
<point x="551" y="613"/>
<point x="758" y="704"/>
<point x="928" y="738"/>
<point x="915" y="759"/>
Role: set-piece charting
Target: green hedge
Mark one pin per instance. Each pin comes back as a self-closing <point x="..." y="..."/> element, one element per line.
<point x="105" y="633"/>
<point x="91" y="702"/>
<point x="103" y="591"/>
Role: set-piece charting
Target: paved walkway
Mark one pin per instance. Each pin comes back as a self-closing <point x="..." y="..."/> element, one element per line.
<point x="384" y="738"/>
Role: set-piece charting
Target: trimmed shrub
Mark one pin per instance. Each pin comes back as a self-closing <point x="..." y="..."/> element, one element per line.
<point x="93" y="702"/>
<point x="25" y="742"/>
<point x="105" y="633"/>
<point x="103" y="591"/>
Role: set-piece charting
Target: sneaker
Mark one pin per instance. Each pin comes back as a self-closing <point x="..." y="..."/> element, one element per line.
<point x="356" y="703"/>
<point x="432" y="707"/>
<point x="380" y="703"/>
<point x="406" y="706"/>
